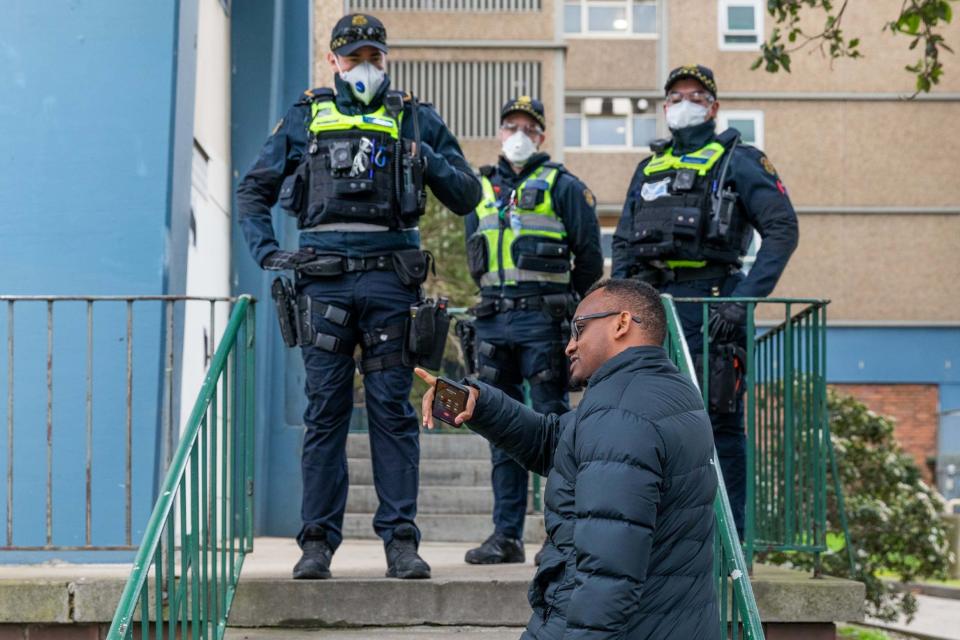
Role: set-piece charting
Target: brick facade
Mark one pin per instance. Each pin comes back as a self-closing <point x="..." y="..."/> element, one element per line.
<point x="914" y="407"/>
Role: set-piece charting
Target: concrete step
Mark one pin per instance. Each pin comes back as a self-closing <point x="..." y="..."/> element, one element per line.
<point x="433" y="446"/>
<point x="462" y="473"/>
<point x="433" y="500"/>
<point x="470" y="528"/>
<point x="388" y="633"/>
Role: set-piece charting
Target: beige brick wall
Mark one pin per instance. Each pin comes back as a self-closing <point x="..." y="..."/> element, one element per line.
<point x="611" y="64"/>
<point x="693" y="38"/>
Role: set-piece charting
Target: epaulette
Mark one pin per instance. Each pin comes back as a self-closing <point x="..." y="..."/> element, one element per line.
<point x="487" y="170"/>
<point x="660" y="145"/>
<point x="408" y="97"/>
<point x="319" y="94"/>
<point x="727" y="137"/>
<point x="555" y="165"/>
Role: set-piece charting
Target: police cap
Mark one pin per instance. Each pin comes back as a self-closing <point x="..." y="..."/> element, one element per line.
<point x="357" y="30"/>
<point x="529" y="106"/>
<point x="698" y="72"/>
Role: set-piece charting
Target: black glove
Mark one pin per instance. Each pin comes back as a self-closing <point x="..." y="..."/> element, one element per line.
<point x="728" y="322"/>
<point x="283" y="260"/>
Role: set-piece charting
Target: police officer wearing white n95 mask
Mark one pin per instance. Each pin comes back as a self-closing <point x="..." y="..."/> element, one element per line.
<point x="351" y="163"/>
<point x="686" y="224"/>
<point x="533" y="247"/>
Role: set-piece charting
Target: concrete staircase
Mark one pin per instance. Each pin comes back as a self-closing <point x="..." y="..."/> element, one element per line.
<point x="456" y="499"/>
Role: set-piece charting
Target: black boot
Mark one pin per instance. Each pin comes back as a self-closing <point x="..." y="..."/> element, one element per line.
<point x="315" y="562"/>
<point x="497" y="549"/>
<point x="402" y="558"/>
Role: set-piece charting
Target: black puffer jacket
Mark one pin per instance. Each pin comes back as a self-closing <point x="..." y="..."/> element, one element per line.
<point x="628" y="505"/>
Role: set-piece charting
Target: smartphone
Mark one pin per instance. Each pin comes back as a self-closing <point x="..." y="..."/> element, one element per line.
<point x="449" y="400"/>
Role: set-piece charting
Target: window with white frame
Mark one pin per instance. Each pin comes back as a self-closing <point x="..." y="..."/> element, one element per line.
<point x="610" y="18"/>
<point x="740" y="24"/>
<point x="748" y="123"/>
<point x="609" y="123"/>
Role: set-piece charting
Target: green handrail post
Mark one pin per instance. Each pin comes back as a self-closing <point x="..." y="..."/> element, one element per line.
<point x="200" y="598"/>
<point x="788" y="429"/>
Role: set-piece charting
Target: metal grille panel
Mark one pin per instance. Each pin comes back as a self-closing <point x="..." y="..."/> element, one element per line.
<point x="445" y="5"/>
<point x="467" y="94"/>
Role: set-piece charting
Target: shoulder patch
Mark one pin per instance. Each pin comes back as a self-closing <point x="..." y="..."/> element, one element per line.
<point x="276" y="127"/>
<point x="767" y="165"/>
<point x="589" y="198"/>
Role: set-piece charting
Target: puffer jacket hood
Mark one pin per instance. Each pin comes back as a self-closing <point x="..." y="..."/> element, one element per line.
<point x="628" y="505"/>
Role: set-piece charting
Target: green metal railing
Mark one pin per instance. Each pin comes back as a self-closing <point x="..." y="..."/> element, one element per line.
<point x="202" y="525"/>
<point x="739" y="615"/>
<point x="788" y="443"/>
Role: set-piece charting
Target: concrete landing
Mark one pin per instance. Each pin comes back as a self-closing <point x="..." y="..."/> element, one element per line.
<point x="387" y="633"/>
<point x="458" y="597"/>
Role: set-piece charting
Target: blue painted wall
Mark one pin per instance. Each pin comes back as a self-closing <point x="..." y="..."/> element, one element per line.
<point x="270" y="43"/>
<point x="96" y="104"/>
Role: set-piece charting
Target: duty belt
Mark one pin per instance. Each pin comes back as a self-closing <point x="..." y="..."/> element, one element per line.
<point x="662" y="276"/>
<point x="490" y="305"/>
<point x="333" y="265"/>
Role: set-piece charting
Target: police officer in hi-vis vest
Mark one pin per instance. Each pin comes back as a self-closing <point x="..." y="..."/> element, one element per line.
<point x="686" y="224"/>
<point x="535" y="218"/>
<point x="351" y="164"/>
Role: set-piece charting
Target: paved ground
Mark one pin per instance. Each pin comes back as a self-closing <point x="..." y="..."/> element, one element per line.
<point x="936" y="618"/>
<point x="395" y="633"/>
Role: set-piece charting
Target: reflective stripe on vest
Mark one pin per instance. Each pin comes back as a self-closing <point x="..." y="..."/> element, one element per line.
<point x="702" y="160"/>
<point x="500" y="231"/>
<point x="324" y="116"/>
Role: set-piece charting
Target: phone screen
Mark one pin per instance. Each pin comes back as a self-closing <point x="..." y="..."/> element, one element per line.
<point x="449" y="401"/>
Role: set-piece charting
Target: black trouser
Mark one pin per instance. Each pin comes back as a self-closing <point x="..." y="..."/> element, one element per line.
<point x="728" y="434"/>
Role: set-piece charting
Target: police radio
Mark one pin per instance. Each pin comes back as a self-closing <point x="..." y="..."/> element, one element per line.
<point x="723" y="200"/>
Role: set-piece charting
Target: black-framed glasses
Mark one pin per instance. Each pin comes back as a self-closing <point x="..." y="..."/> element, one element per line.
<point x="577" y="325"/>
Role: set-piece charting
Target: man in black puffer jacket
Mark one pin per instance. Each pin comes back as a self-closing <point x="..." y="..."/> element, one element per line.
<point x="630" y="486"/>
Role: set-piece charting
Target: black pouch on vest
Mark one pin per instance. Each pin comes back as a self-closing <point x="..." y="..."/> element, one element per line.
<point x="352" y="186"/>
<point x="550" y="265"/>
<point x="552" y="250"/>
<point x="477" y="258"/>
<point x="427" y="328"/>
<point x="533" y="194"/>
<point x="686" y="222"/>
<point x="411" y="266"/>
<point x="292" y="191"/>
<point x="727" y="371"/>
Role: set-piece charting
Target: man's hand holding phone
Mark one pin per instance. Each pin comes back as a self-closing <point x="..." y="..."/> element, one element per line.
<point x="446" y="400"/>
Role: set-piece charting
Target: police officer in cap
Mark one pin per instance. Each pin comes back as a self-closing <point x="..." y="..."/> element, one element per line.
<point x="350" y="163"/>
<point x="534" y="220"/>
<point x="686" y="224"/>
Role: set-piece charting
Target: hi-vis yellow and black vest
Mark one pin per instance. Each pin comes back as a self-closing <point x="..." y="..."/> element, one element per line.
<point x="679" y="216"/>
<point x="520" y="238"/>
<point x="352" y="170"/>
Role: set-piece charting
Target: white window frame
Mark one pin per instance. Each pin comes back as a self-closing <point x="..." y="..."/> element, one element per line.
<point x="724" y="117"/>
<point x="723" y="27"/>
<point x="607" y="262"/>
<point x="586" y="34"/>
<point x="608" y="148"/>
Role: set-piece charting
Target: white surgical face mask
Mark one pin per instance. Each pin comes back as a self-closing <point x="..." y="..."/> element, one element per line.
<point x="518" y="148"/>
<point x="364" y="80"/>
<point x="685" y="114"/>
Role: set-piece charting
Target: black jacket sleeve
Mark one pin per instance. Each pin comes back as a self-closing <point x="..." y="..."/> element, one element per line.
<point x="447" y="173"/>
<point x="622" y="261"/>
<point x="769" y="210"/>
<point x="258" y="190"/>
<point x="528" y="437"/>
<point x="575" y="204"/>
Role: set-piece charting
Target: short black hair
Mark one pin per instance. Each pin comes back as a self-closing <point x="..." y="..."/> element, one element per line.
<point x="641" y="300"/>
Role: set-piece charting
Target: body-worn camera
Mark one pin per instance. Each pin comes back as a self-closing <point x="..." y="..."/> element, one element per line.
<point x="341" y="155"/>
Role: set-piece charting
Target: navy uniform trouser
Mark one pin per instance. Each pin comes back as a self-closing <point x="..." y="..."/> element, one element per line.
<point x="375" y="300"/>
<point x="728" y="434"/>
<point x="526" y="345"/>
